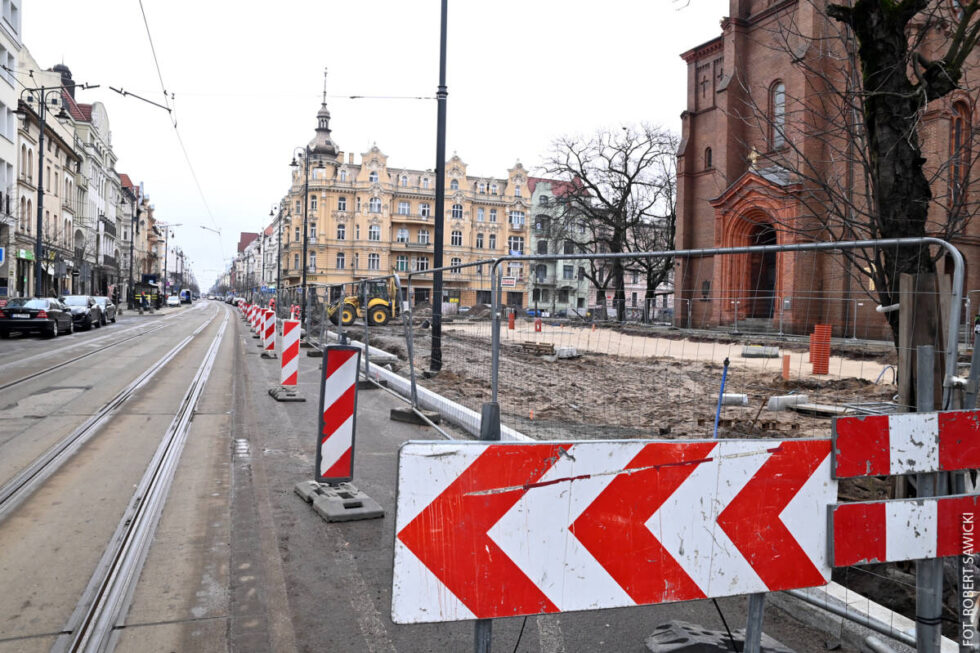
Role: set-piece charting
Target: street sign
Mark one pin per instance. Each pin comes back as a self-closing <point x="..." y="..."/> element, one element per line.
<point x="902" y="529"/>
<point x="488" y="530"/>
<point x="908" y="443"/>
<point x="508" y="282"/>
<point x="3" y="255"/>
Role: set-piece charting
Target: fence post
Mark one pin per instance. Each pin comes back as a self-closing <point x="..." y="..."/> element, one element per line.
<point x="409" y="345"/>
<point x="367" y="322"/>
<point x="753" y="627"/>
<point x="928" y="573"/>
<point x="489" y="431"/>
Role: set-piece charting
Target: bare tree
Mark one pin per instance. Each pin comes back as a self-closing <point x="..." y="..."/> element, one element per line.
<point x="617" y="174"/>
<point x="849" y="146"/>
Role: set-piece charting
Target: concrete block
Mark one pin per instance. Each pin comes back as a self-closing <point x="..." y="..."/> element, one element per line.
<point x="409" y="416"/>
<point x="684" y="637"/>
<point x="316" y="352"/>
<point x="341" y="502"/>
<point x="759" y="351"/>
<point x="567" y="352"/>
<point x="268" y="354"/>
<point x="281" y="393"/>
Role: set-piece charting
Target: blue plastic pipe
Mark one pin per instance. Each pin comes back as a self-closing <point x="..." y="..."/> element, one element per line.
<point x="721" y="393"/>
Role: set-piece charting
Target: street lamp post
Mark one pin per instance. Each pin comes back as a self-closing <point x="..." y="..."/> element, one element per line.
<point x="166" y="255"/>
<point x="134" y="223"/>
<point x="272" y="212"/>
<point x="304" y="153"/>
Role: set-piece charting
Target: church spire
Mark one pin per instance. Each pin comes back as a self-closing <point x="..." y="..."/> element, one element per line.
<point x="322" y="143"/>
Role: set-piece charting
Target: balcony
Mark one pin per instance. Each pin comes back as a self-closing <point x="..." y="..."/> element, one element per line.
<point x="516" y="226"/>
<point x="410" y="218"/>
<point x="412" y="247"/>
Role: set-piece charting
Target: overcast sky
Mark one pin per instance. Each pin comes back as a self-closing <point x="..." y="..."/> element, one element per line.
<point x="247" y="79"/>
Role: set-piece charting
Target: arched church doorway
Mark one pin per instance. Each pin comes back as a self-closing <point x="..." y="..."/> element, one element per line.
<point x="762" y="272"/>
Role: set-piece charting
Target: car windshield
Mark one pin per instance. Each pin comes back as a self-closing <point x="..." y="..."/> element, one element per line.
<point x="76" y="300"/>
<point x="23" y="302"/>
<point x="100" y="300"/>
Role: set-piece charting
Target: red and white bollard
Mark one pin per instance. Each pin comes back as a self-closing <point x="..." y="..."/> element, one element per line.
<point x="338" y="408"/>
<point x="289" y="367"/>
<point x="269" y="335"/>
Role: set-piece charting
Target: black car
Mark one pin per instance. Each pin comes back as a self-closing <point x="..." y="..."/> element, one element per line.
<point x="108" y="309"/>
<point x="43" y="315"/>
<point x="85" y="312"/>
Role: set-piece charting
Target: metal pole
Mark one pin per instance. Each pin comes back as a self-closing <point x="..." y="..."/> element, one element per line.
<point x="928" y="573"/>
<point x="495" y="279"/>
<point x="39" y="245"/>
<point x="306" y="231"/>
<point x="279" y="264"/>
<point x="490" y="432"/>
<point x="782" y="308"/>
<point x="969" y="322"/>
<point x="132" y="239"/>
<point x="367" y="322"/>
<point x="435" y="358"/>
<point x="735" y="330"/>
<point x="753" y="627"/>
<point x="166" y="255"/>
<point x="409" y="344"/>
<point x="855" y="320"/>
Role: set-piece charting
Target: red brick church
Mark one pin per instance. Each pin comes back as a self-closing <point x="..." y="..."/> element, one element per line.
<point x="760" y="126"/>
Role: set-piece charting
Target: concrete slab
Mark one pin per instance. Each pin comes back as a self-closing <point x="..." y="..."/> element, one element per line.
<point x="280" y="393"/>
<point x="341" y="502"/>
<point x="409" y="416"/>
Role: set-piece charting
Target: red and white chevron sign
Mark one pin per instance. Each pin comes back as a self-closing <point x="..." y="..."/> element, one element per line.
<point x="289" y="367"/>
<point x="908" y="443"/>
<point x="338" y="410"/>
<point x="269" y="331"/>
<point x="488" y="530"/>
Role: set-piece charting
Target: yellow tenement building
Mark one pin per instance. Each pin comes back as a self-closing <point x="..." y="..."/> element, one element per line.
<point x="369" y="219"/>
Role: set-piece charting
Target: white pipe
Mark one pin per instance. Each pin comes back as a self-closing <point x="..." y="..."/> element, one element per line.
<point x="886" y="309"/>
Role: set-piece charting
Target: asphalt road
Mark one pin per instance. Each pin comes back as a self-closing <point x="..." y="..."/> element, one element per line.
<point x="238" y="561"/>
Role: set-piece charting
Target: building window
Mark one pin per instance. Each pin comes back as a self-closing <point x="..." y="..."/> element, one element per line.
<point x="543" y="200"/>
<point x="402" y="235"/>
<point x="457" y="211"/>
<point x="456" y="261"/>
<point x="423" y="236"/>
<point x="403" y="208"/>
<point x="297" y="235"/>
<point x="479" y="240"/>
<point x="480" y="213"/>
<point x="493" y="189"/>
<point x="516" y="245"/>
<point x="375" y="205"/>
<point x="492" y="241"/>
<point x="542" y="247"/>
<point x="313" y="203"/>
<point x="567" y="272"/>
<point x="341" y="203"/>
<point x="343" y="175"/>
<point x="295" y="261"/>
<point x="482" y="188"/>
<point x="425" y="183"/>
<point x="515" y="269"/>
<point x="341" y="232"/>
<point x="581" y="273"/>
<point x="357" y="260"/>
<point x="313" y="260"/>
<point x="493" y="215"/>
<point x="421" y="263"/>
<point x="401" y="263"/>
<point x="341" y="260"/>
<point x="374" y="261"/>
<point x="454" y="185"/>
<point x="707" y="158"/>
<point x="777" y="115"/>
<point x="374" y="232"/>
<point x="404" y="181"/>
<point x="517" y="190"/>
<point x="313" y="231"/>
<point x="960" y="152"/>
<point x="424" y="209"/>
<point x="357" y="204"/>
<point x="635" y="276"/>
<point x="373" y="177"/>
<point x="517" y="219"/>
<point x="456" y="239"/>
<point x="581" y="227"/>
<point x="299" y="206"/>
<point x="357" y="231"/>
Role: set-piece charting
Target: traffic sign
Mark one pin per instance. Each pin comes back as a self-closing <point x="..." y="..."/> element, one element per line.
<point x="908" y="443"/>
<point x="3" y="255"/>
<point x="488" y="530"/>
<point x="338" y="412"/>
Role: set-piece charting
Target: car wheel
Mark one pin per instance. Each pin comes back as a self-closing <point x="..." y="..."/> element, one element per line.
<point x="71" y="327"/>
<point x="89" y="324"/>
<point x="102" y="320"/>
<point x="98" y="323"/>
<point x="113" y="320"/>
<point x="53" y="333"/>
<point x="4" y="334"/>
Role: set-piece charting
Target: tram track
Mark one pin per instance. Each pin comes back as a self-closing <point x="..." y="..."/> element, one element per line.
<point x="93" y="624"/>
<point x="75" y="359"/>
<point x="31" y="477"/>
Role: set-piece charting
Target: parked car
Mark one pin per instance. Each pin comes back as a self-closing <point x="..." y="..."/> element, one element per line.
<point x="173" y="300"/>
<point x="42" y="315"/>
<point x="108" y="309"/>
<point x="85" y="312"/>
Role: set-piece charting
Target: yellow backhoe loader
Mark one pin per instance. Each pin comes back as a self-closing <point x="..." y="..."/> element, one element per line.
<point x="381" y="304"/>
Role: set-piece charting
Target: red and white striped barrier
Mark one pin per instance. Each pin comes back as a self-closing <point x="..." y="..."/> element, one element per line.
<point x="269" y="331"/>
<point x="338" y="409"/>
<point x="294" y="312"/>
<point x="290" y="353"/>
<point x="904" y="529"/>
<point x="908" y="443"/>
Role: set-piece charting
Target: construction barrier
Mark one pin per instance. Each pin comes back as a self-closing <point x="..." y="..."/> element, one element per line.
<point x="338" y="409"/>
<point x="820" y="350"/>
<point x="269" y="333"/>
<point x="290" y="353"/>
